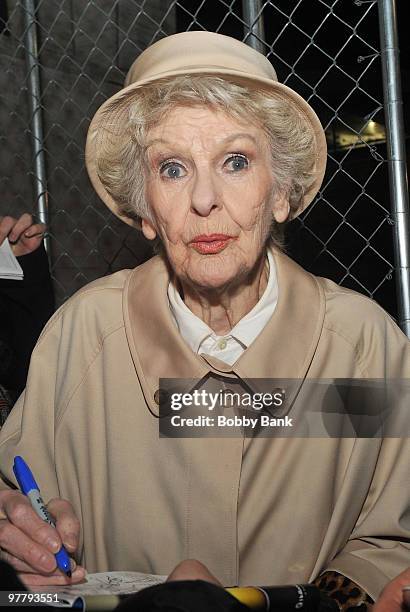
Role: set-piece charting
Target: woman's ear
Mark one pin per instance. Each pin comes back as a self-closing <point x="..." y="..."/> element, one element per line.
<point x="281" y="208"/>
<point x="148" y="229"/>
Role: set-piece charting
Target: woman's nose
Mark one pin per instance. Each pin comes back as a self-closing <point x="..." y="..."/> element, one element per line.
<point x="205" y="193"/>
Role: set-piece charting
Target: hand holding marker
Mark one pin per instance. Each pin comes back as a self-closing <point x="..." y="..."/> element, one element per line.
<point x="30" y="488"/>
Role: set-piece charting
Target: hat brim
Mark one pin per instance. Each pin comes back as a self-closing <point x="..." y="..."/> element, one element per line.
<point x="104" y="117"/>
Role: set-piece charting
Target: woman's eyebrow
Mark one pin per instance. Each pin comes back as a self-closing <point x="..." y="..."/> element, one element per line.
<point x="233" y="137"/>
<point x="224" y="141"/>
<point x="157" y="141"/>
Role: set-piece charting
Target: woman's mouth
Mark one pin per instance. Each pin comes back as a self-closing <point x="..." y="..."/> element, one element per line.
<point x="208" y="244"/>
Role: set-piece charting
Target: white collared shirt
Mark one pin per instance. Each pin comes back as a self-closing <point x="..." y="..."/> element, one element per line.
<point x="228" y="348"/>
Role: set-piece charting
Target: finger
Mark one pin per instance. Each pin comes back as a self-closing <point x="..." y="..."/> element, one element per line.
<point x="38" y="579"/>
<point x="38" y="229"/>
<point x="22" y="566"/>
<point x="21" y="226"/>
<point x="406" y="596"/>
<point x="18" y="544"/>
<point x="67" y="524"/>
<point x="21" y="515"/>
<point x="6" y="225"/>
<point x="26" y="245"/>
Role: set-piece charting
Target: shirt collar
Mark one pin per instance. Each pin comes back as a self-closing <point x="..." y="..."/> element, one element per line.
<point x="194" y="331"/>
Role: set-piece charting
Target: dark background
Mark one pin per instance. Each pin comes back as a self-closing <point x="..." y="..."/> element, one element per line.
<point x="85" y="50"/>
<point x="323" y="241"/>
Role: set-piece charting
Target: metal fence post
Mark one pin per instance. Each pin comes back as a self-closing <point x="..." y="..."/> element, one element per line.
<point x="36" y="120"/>
<point x="347" y="237"/>
<point x="253" y="28"/>
<point x="396" y="155"/>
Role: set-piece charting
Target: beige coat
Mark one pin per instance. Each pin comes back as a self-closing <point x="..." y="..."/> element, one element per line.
<point x="263" y="511"/>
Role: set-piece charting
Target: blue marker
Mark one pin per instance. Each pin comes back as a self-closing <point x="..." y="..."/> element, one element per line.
<point x="30" y="488"/>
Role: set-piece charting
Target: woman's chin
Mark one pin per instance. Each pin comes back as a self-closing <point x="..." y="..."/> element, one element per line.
<point x="213" y="271"/>
<point x="213" y="279"/>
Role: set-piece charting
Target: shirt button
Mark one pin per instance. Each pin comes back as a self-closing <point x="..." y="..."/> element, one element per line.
<point x="161" y="396"/>
<point x="222" y="344"/>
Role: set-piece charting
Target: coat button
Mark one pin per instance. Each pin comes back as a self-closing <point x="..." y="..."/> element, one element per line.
<point x="161" y="396"/>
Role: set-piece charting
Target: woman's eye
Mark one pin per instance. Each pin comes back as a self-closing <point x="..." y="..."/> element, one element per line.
<point x="172" y="170"/>
<point x="237" y="162"/>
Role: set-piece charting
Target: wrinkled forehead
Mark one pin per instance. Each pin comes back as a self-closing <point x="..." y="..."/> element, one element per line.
<point x="202" y="127"/>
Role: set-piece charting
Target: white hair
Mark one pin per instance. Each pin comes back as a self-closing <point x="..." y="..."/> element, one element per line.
<point x="122" y="159"/>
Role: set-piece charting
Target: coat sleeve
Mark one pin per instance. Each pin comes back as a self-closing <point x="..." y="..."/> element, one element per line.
<point x="66" y="347"/>
<point x="29" y="428"/>
<point x="58" y="362"/>
<point x="379" y="546"/>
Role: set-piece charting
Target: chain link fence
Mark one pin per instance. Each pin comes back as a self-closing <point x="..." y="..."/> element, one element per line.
<point x="327" y="50"/>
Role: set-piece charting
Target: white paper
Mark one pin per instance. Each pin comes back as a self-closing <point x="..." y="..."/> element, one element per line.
<point x="102" y="583"/>
<point x="9" y="266"/>
<point x="114" y="583"/>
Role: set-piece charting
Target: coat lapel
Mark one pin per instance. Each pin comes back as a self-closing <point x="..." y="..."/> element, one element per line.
<point x="286" y="346"/>
<point x="284" y="349"/>
<point x="156" y="346"/>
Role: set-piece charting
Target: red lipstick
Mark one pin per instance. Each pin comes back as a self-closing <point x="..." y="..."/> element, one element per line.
<point x="209" y="244"/>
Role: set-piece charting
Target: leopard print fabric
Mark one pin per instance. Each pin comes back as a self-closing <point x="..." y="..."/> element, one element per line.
<point x="349" y="596"/>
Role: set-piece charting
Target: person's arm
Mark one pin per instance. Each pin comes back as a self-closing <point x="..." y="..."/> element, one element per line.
<point x="28" y="304"/>
<point x="26" y="542"/>
<point x="378" y="547"/>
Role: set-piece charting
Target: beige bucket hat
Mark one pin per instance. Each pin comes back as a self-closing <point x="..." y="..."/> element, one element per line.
<point x="198" y="52"/>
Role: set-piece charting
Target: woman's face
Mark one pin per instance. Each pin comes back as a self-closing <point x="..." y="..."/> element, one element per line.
<point x="209" y="187"/>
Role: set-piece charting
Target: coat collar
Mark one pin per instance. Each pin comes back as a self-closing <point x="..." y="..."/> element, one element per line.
<point x="284" y="349"/>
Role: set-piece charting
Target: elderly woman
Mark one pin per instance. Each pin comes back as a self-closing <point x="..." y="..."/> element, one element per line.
<point x="209" y="155"/>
